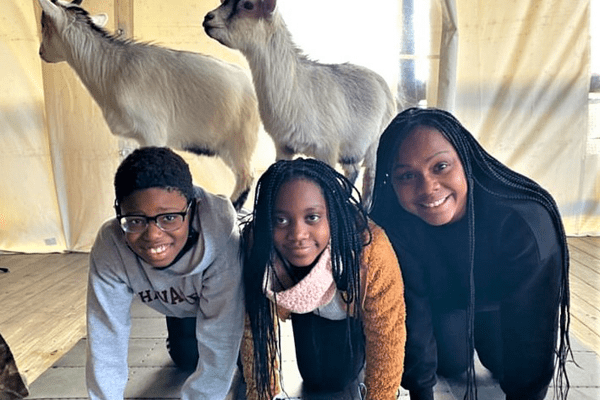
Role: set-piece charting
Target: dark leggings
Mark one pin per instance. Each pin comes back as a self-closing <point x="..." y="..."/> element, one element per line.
<point x="181" y="342"/>
<point x="326" y="361"/>
<point x="451" y="338"/>
<point x="322" y="350"/>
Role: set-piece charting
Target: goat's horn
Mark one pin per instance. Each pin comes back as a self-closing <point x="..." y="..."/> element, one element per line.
<point x="76" y="2"/>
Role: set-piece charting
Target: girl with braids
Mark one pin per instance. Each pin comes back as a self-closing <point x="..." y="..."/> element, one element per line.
<point x="312" y="256"/>
<point x="484" y="259"/>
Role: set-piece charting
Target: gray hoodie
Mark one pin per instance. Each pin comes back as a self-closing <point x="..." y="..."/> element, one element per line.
<point x="206" y="283"/>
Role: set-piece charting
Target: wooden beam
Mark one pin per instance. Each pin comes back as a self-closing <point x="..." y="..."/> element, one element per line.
<point x="124" y="17"/>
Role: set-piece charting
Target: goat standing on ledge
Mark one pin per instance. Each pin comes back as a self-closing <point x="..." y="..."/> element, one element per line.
<point x="333" y="112"/>
<point x="155" y="95"/>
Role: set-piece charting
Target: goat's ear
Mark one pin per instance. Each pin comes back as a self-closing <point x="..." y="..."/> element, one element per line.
<point x="99" y="20"/>
<point x="51" y="9"/>
<point x="76" y="2"/>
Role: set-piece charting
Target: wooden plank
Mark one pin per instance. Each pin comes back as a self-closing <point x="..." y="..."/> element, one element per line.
<point x="41" y="283"/>
<point x="584" y="282"/>
<point x="586" y="336"/>
<point x="585" y="273"/>
<point x="589" y="246"/>
<point x="37" y="271"/>
<point x="593" y="241"/>
<point x="584" y="258"/>
<point x="584" y="306"/>
<point x="18" y="262"/>
<point x="37" y="347"/>
<point x="43" y="308"/>
<point x="124" y="18"/>
<point x="47" y="293"/>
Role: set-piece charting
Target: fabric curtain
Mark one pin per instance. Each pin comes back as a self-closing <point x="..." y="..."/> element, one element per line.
<point x="522" y="89"/>
<point x="29" y="205"/>
<point x="517" y="76"/>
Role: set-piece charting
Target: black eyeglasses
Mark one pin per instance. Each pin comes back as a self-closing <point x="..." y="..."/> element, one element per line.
<point x="167" y="222"/>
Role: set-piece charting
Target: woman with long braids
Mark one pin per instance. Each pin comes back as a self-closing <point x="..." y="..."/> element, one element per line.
<point x="312" y="256"/>
<point x="484" y="260"/>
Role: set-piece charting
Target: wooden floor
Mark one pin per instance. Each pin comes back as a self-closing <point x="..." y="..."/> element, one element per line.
<point x="42" y="303"/>
<point x="585" y="290"/>
<point x="42" y="307"/>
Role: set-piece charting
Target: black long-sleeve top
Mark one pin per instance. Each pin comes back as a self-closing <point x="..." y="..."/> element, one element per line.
<point x="517" y="269"/>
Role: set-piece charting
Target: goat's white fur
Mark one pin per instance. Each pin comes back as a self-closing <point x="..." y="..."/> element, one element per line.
<point x="158" y="96"/>
<point x="334" y="113"/>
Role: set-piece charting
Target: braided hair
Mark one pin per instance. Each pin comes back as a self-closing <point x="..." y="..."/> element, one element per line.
<point x="489" y="174"/>
<point x="349" y="234"/>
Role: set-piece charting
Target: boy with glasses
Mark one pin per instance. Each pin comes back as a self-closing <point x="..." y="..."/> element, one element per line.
<point x="175" y="247"/>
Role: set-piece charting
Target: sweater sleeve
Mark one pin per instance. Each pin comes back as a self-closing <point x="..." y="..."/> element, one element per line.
<point x="247" y="356"/>
<point x="420" y="362"/>
<point x="108" y="324"/>
<point x="529" y="308"/>
<point x="384" y="315"/>
<point x="219" y="324"/>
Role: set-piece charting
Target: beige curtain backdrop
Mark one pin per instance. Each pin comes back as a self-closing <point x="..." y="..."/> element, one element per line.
<point x="515" y="72"/>
<point x="522" y="88"/>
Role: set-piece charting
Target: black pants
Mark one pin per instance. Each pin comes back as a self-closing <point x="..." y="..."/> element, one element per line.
<point x="451" y="338"/>
<point x="452" y="355"/>
<point x="181" y="342"/>
<point x="328" y="358"/>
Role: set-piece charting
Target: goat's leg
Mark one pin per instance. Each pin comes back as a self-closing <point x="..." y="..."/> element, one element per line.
<point x="283" y="152"/>
<point x="240" y="166"/>
<point x="369" y="163"/>
<point x="351" y="171"/>
<point x="243" y="183"/>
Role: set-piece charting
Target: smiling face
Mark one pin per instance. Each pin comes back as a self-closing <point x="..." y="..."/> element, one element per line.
<point x="428" y="177"/>
<point x="155" y="246"/>
<point x="300" y="222"/>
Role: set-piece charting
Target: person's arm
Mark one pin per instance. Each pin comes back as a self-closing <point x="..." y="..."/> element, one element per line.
<point x="383" y="314"/>
<point x="529" y="308"/>
<point x="108" y="325"/>
<point x="247" y="356"/>
<point x="219" y="325"/>
<point x="420" y="359"/>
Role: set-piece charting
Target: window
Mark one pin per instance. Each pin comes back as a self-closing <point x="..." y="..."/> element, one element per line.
<point x="415" y="51"/>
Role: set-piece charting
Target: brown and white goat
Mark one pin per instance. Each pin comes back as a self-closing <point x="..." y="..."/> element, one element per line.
<point x="155" y="95"/>
<point x="333" y="112"/>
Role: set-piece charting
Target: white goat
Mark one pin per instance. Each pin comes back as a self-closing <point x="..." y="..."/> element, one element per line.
<point x="155" y="95"/>
<point x="333" y="112"/>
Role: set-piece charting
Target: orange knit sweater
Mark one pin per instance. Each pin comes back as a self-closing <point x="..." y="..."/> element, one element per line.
<point x="383" y="315"/>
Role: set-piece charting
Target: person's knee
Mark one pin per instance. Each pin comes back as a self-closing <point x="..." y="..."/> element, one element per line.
<point x="181" y="342"/>
<point x="184" y="355"/>
<point x="451" y="339"/>
<point x="452" y="368"/>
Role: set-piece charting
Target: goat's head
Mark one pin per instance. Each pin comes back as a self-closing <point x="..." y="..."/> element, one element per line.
<point x="237" y="23"/>
<point x="57" y="15"/>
